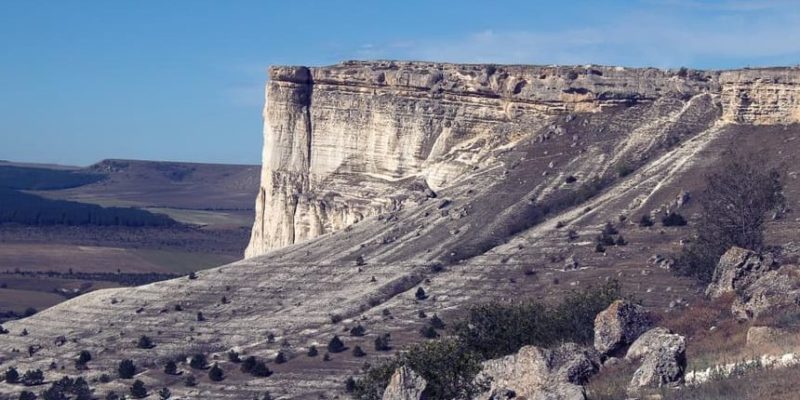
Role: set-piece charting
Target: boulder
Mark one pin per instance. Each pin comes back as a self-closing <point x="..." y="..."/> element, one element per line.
<point x="405" y="384"/>
<point x="737" y="269"/>
<point x="775" y="290"/>
<point x="619" y="325"/>
<point x="651" y="341"/>
<point x="758" y="335"/>
<point x="538" y="373"/>
<point x="663" y="358"/>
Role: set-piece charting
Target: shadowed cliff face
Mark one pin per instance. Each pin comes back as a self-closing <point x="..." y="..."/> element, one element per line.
<point x="354" y="140"/>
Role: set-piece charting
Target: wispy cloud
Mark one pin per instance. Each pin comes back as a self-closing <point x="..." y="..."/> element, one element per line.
<point x="748" y="32"/>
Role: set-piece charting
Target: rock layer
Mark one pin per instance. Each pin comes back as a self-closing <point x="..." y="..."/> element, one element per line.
<point x="349" y="141"/>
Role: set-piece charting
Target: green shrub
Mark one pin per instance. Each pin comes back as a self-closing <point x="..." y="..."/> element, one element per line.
<point x="280" y="358"/>
<point x="673" y="219"/>
<point x="170" y="368"/>
<point x="11" y="375"/>
<point x="145" y="342"/>
<point x="358" y="352"/>
<point x="336" y="345"/>
<point x="198" y="361"/>
<point x="126" y="369"/>
<point x="216" y="373"/>
<point x="312" y="351"/>
<point x="138" y="391"/>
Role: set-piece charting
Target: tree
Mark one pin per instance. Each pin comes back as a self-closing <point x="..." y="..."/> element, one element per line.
<point x="357" y="330"/>
<point x="421" y="295"/>
<point x="112" y="396"/>
<point x="84" y="357"/>
<point x="138" y="391"/>
<point x="312" y="351"/>
<point x="358" y="352"/>
<point x="673" y="219"/>
<point x="280" y="358"/>
<point x="26" y="395"/>
<point x="437" y="322"/>
<point x="126" y="369"/>
<point x="216" y="373"/>
<point x="11" y="376"/>
<point x="248" y="364"/>
<point x="382" y="343"/>
<point x="736" y="202"/>
<point x="645" y="221"/>
<point x="428" y="332"/>
<point x="145" y="342"/>
<point x="326" y="357"/>
<point x="171" y="368"/>
<point x="233" y="357"/>
<point x="260" y="370"/>
<point x="198" y="361"/>
<point x="336" y="345"/>
<point x="164" y="394"/>
<point x="33" y="377"/>
<point x="200" y="317"/>
<point x="190" y="381"/>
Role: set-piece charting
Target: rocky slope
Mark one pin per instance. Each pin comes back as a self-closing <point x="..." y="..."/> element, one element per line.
<point x="476" y="182"/>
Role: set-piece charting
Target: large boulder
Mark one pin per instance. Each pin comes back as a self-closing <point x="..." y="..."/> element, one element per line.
<point x="405" y="384"/>
<point x="651" y="341"/>
<point x="619" y="325"/>
<point x="737" y="269"/>
<point x="538" y="374"/>
<point x="663" y="360"/>
<point x="774" y="291"/>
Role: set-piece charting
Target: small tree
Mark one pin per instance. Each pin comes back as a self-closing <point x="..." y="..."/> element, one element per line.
<point x="382" y="343"/>
<point x="190" y="381"/>
<point x="26" y="395"/>
<point x="248" y="364"/>
<point x="336" y="345"/>
<point x="736" y="202"/>
<point x="421" y="295"/>
<point x="645" y="221"/>
<point x="145" y="342"/>
<point x="164" y="394"/>
<point x="233" y="357"/>
<point x="11" y="376"/>
<point x="428" y="332"/>
<point x="357" y="330"/>
<point x="437" y="322"/>
<point x="326" y="357"/>
<point x="171" y="368"/>
<point x="260" y="370"/>
<point x="280" y="358"/>
<point x="200" y="317"/>
<point x="673" y="219"/>
<point x="312" y="351"/>
<point x="33" y="377"/>
<point x="138" y="390"/>
<point x="358" y="352"/>
<point x="216" y="373"/>
<point x="84" y="357"/>
<point x="112" y="396"/>
<point x="198" y="361"/>
<point x="192" y="275"/>
<point x="126" y="369"/>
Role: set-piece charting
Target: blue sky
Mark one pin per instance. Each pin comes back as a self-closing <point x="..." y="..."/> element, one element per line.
<point x="183" y="80"/>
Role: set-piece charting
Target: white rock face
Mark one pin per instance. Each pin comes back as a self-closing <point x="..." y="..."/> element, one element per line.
<point x="405" y="384"/>
<point x="354" y="140"/>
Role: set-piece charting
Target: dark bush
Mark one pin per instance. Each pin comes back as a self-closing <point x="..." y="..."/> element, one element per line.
<point x="646" y="221"/>
<point x="358" y="352"/>
<point x="233" y="357"/>
<point x="357" y="330"/>
<point x="84" y="357"/>
<point x="164" y="394"/>
<point x="280" y="358"/>
<point x="198" y="361"/>
<point x="383" y="343"/>
<point x="216" y="373"/>
<point x="421" y="295"/>
<point x="260" y="370"/>
<point x="145" y="342"/>
<point x="190" y="381"/>
<point x="126" y="369"/>
<point x="570" y="179"/>
<point x="170" y="368"/>
<point x="428" y="332"/>
<point x="336" y="345"/>
<point x="248" y="364"/>
<point x="11" y="375"/>
<point x="312" y="351"/>
<point x="437" y="322"/>
<point x="673" y="219"/>
<point x="495" y="329"/>
<point x="138" y="391"/>
<point x="26" y="395"/>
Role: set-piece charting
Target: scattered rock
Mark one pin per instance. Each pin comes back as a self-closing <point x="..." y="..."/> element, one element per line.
<point x="405" y="384"/>
<point x="773" y="291"/>
<point x="537" y="373"/>
<point x="737" y="269"/>
<point x="663" y="360"/>
<point x="619" y="325"/>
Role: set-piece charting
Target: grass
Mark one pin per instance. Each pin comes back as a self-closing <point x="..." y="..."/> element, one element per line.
<point x="18" y="300"/>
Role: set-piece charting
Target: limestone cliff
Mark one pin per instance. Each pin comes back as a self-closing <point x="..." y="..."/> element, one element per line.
<point x="349" y="141"/>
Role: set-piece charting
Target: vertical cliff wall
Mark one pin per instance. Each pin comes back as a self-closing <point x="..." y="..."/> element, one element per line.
<point x="346" y="142"/>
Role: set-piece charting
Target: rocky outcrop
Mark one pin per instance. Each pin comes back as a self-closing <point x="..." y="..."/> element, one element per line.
<point x="619" y="325"/>
<point x="651" y="341"/>
<point x="346" y="142"/>
<point x="405" y="384"/>
<point x="737" y="269"/>
<point x="663" y="361"/>
<point x="537" y="373"/>
<point x="774" y="291"/>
